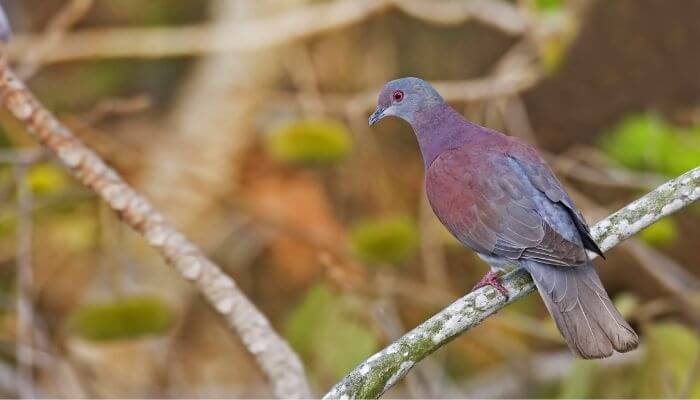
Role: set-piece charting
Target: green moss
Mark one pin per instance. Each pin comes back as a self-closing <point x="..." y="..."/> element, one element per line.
<point x="384" y="240"/>
<point x="310" y="141"/>
<point x="126" y="318"/>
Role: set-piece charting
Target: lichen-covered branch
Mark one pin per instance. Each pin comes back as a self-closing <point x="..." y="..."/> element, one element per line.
<point x="265" y="32"/>
<point x="273" y="354"/>
<point x="381" y="371"/>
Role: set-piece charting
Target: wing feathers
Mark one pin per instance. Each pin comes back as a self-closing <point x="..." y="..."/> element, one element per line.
<point x="500" y="208"/>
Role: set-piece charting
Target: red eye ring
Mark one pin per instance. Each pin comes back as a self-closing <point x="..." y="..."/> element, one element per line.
<point x="398" y="96"/>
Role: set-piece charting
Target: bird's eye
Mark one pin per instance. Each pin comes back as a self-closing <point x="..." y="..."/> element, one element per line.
<point x="398" y="96"/>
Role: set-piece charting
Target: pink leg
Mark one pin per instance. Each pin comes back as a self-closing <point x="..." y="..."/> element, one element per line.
<point x="494" y="280"/>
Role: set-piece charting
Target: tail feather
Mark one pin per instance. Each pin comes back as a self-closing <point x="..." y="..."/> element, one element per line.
<point x="582" y="309"/>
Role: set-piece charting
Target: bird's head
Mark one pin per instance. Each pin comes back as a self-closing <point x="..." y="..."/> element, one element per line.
<point x="403" y="98"/>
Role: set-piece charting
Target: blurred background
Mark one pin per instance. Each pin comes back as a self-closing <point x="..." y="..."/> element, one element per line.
<point x="245" y="121"/>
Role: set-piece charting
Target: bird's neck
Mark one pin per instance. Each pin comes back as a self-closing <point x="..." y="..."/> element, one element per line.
<point x="440" y="129"/>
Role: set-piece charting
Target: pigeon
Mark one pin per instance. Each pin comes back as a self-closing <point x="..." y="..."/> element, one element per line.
<point x="499" y="197"/>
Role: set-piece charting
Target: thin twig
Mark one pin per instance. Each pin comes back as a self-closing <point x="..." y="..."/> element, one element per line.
<point x="603" y="176"/>
<point x="117" y="107"/>
<point x="681" y="283"/>
<point x="381" y="371"/>
<point x="354" y="106"/>
<point x="66" y="381"/>
<point x="264" y="32"/>
<point x="273" y="354"/>
<point x="21" y="156"/>
<point x="299" y="63"/>
<point x="56" y="28"/>
<point x="25" y="286"/>
<point x="11" y="382"/>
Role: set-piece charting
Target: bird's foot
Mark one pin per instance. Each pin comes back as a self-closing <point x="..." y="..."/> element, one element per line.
<point x="492" y="279"/>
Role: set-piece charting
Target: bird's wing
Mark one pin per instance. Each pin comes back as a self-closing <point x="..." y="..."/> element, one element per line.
<point x="542" y="177"/>
<point x="489" y="203"/>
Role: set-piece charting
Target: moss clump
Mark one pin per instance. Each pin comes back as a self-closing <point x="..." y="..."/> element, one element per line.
<point x="548" y="5"/>
<point x="384" y="240"/>
<point x="310" y="141"/>
<point x="47" y="179"/>
<point x="647" y="142"/>
<point x="126" y="318"/>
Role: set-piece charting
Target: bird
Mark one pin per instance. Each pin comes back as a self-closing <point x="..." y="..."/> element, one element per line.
<point x="499" y="197"/>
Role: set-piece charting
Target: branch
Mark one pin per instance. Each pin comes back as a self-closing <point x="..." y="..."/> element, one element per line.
<point x="262" y="33"/>
<point x="494" y="86"/>
<point x="69" y="15"/>
<point x="381" y="371"/>
<point x="279" y="362"/>
<point x="489" y="87"/>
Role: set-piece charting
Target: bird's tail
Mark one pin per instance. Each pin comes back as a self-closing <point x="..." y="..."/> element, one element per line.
<point x="582" y="309"/>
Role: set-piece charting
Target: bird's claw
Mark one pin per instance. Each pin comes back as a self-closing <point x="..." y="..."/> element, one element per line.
<point x="492" y="279"/>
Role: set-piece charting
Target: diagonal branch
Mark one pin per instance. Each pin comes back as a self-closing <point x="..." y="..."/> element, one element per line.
<point x="381" y="371"/>
<point x="279" y="362"/>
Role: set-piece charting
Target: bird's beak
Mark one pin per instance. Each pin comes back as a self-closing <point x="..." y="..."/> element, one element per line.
<point x="376" y="115"/>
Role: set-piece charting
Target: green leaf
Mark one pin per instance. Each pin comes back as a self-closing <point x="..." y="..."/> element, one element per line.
<point x="636" y="141"/>
<point x="647" y="142"/>
<point x="327" y="334"/>
<point x="310" y="141"/>
<point x="126" y="318"/>
<point x="384" y="240"/>
<point x="661" y="233"/>
<point x="316" y="304"/>
<point x="358" y="343"/>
